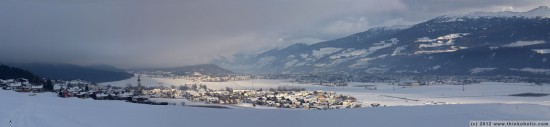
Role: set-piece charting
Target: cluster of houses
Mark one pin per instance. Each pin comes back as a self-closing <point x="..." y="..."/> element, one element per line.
<point x="196" y="76"/>
<point x="332" y="83"/>
<point x="305" y="100"/>
<point x="74" y="88"/>
<point x="102" y="92"/>
<point x="274" y="98"/>
<point x="163" y="93"/>
<point x="20" y="85"/>
<point x="280" y="97"/>
<point x="403" y="80"/>
<point x="215" y="78"/>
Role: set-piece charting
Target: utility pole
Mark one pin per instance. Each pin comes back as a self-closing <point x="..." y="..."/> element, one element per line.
<point x="541" y="86"/>
<point x="252" y="83"/>
<point x="469" y="79"/>
<point x="463" y="86"/>
<point x="393" y="85"/>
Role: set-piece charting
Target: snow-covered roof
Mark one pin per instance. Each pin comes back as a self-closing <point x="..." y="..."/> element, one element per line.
<point x="56" y="87"/>
<point x="101" y="95"/>
<point x="14" y="84"/>
<point x="127" y="94"/>
<point x="37" y="87"/>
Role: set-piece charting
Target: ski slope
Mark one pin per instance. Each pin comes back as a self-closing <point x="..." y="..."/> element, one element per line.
<point x="47" y="110"/>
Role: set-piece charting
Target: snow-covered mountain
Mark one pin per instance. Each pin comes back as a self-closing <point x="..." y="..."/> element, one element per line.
<point x="542" y="11"/>
<point x="474" y="44"/>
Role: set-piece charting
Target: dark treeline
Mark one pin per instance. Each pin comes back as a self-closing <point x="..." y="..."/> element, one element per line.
<point x="69" y="72"/>
<point x="7" y="72"/>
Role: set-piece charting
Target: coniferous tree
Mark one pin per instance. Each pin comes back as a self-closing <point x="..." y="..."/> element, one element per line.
<point x="48" y="86"/>
<point x="7" y="72"/>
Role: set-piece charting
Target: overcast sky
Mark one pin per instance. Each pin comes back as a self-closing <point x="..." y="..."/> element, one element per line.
<point x="156" y="33"/>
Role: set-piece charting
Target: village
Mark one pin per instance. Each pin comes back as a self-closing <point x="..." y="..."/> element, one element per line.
<point x="281" y="97"/>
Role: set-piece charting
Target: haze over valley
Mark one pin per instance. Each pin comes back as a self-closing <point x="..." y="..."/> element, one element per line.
<point x="392" y="63"/>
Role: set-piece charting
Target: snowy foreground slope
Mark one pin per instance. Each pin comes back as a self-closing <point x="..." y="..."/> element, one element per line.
<point x="46" y="110"/>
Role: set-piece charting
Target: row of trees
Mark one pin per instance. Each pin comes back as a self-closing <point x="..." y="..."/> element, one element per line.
<point x="8" y="72"/>
<point x="191" y="87"/>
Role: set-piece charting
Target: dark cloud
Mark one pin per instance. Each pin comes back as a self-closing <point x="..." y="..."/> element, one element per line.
<point x="129" y="33"/>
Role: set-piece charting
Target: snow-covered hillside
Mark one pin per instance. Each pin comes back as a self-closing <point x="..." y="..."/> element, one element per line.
<point x="47" y="110"/>
<point x="455" y="43"/>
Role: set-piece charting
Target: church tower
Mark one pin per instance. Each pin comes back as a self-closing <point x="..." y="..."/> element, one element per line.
<point x="139" y="81"/>
<point x="139" y="87"/>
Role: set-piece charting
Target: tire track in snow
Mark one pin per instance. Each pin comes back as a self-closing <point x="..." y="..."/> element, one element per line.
<point x="25" y="115"/>
<point x="17" y="115"/>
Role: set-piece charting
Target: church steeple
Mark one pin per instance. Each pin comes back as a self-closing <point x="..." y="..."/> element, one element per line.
<point x="139" y="87"/>
<point x="139" y="81"/>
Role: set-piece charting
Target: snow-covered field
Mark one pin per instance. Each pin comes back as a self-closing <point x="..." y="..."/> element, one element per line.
<point x="482" y="93"/>
<point x="47" y="110"/>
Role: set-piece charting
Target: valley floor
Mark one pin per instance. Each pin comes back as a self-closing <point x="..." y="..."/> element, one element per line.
<point x="481" y="93"/>
<point x="47" y="110"/>
<point x="405" y="106"/>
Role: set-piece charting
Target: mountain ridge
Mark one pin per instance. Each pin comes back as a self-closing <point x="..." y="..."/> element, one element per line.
<point x="436" y="46"/>
<point x="190" y="69"/>
<point x="73" y="72"/>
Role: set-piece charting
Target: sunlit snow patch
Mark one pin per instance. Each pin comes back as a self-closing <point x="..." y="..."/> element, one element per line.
<point x="533" y="70"/>
<point x="542" y="51"/>
<point x="524" y="43"/>
<point x="481" y="70"/>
